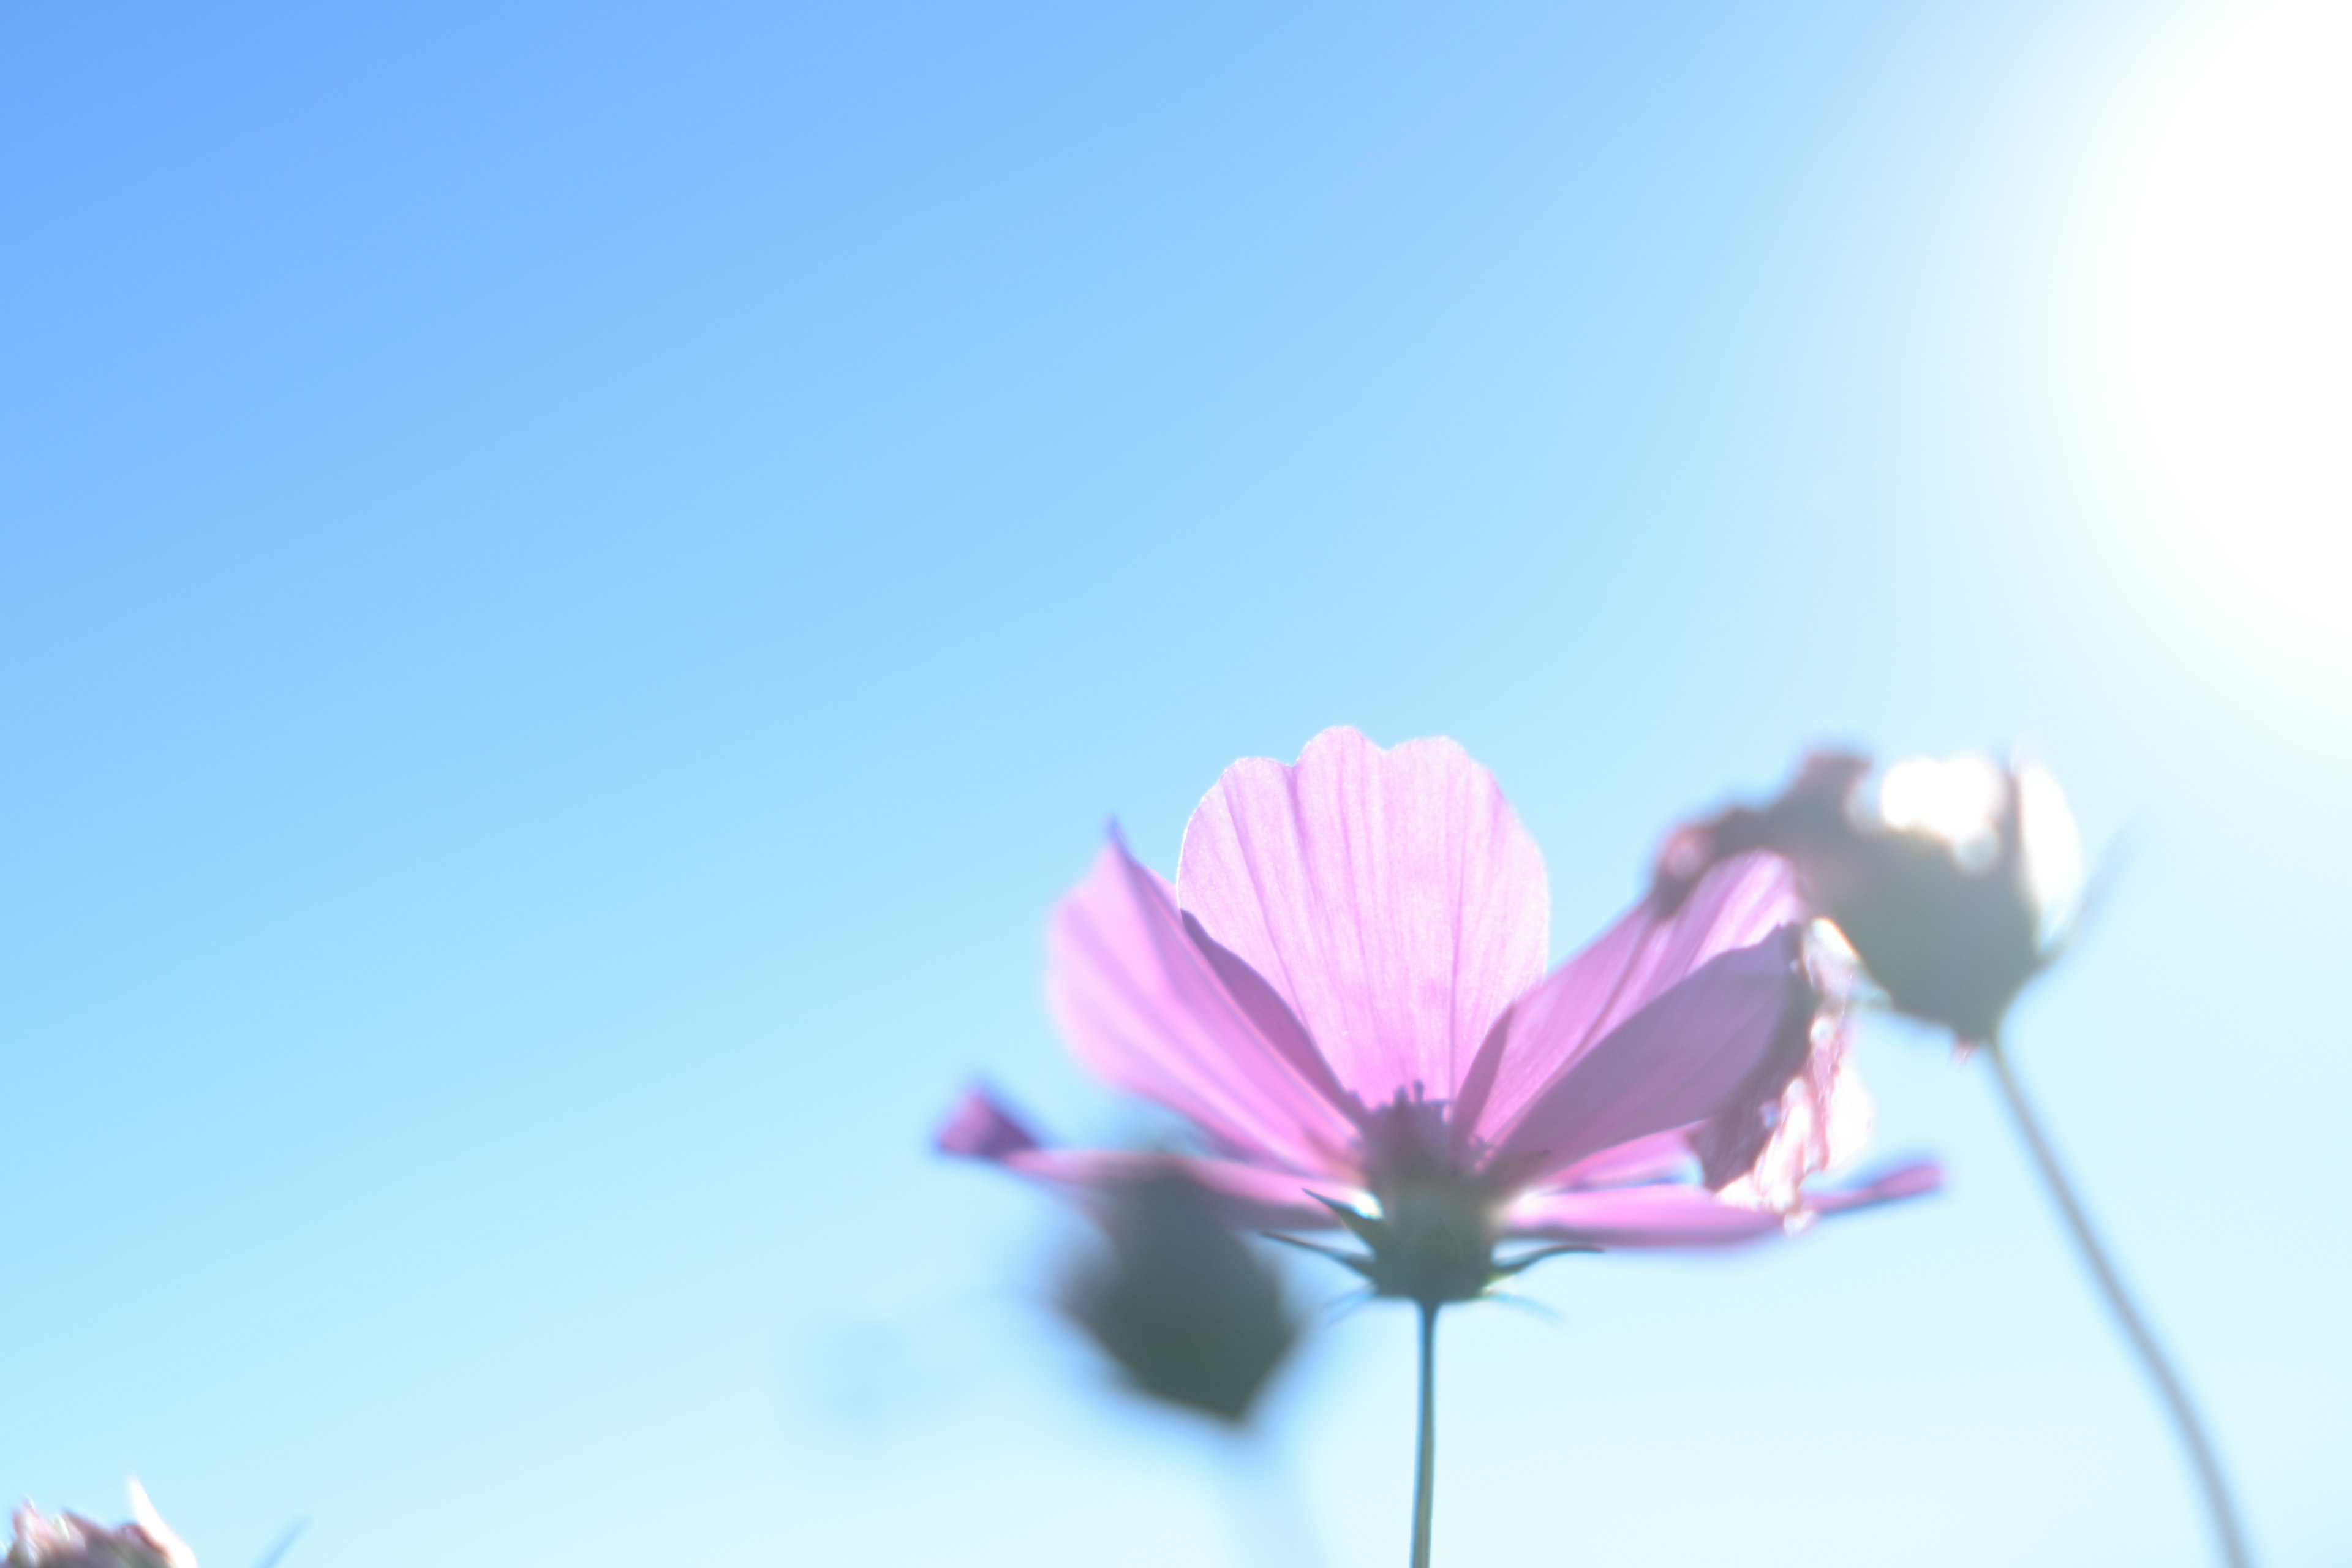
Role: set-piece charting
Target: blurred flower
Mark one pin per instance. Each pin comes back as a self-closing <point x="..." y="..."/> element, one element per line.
<point x="1179" y="1300"/>
<point x="70" y="1540"/>
<point x="1953" y="879"/>
<point x="1345" y="992"/>
<point x="1956" y="882"/>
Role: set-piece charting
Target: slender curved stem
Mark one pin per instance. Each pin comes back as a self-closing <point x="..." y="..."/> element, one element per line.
<point x="2185" y="1420"/>
<point x="1424" y="1472"/>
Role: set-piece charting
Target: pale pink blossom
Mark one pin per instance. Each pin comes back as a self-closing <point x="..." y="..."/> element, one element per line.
<point x="1345" y="992"/>
<point x="70" y="1540"/>
<point x="1953" y="879"/>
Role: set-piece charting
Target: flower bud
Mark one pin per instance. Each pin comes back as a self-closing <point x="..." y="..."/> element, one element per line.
<point x="70" y="1540"/>
<point x="1953" y="879"/>
<point x="1179" y="1301"/>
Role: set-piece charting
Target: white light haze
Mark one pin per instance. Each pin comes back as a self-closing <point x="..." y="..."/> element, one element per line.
<point x="2235" y="323"/>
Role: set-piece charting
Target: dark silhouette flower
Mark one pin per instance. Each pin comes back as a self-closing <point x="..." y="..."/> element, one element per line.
<point x="1179" y="1300"/>
<point x="1951" y="878"/>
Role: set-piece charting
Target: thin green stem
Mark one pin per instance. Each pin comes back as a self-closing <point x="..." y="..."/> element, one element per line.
<point x="1424" y="1473"/>
<point x="2168" y="1387"/>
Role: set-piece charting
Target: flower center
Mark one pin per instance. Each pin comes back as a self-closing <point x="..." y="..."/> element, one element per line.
<point x="1440" y="1242"/>
<point x="1433" y="1239"/>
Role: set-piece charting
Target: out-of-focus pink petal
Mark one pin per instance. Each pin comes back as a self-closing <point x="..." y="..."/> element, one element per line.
<point x="1640" y="1217"/>
<point x="1390" y="898"/>
<point x="1821" y="1118"/>
<point x="1692" y="1216"/>
<point x="1737" y="904"/>
<point x="1143" y="1005"/>
<point x="35" y="1533"/>
<point x="150" y="1524"/>
<point x="1914" y="1179"/>
<point x="1734" y="1031"/>
<point x="71" y="1541"/>
<point x="980" y="1128"/>
<point x="1249" y="1196"/>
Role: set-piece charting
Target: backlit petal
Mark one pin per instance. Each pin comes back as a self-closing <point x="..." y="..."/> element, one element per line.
<point x="1736" y="905"/>
<point x="1692" y="1216"/>
<point x="982" y="1128"/>
<point x="1731" y="1033"/>
<point x="1143" y="1005"/>
<point x="1642" y="1216"/>
<point x="1390" y="898"/>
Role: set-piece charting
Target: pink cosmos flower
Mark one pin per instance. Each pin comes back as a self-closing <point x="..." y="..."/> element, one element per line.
<point x="1345" y="992"/>
<point x="70" y="1540"/>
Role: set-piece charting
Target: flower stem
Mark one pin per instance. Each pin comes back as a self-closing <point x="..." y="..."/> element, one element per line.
<point x="1424" y="1473"/>
<point x="2201" y="1456"/>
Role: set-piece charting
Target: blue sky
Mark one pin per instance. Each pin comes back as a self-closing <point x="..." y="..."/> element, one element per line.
<point x="577" y="580"/>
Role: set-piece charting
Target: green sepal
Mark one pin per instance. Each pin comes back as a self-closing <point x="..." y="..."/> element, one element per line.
<point x="1373" y="1233"/>
<point x="1505" y="1268"/>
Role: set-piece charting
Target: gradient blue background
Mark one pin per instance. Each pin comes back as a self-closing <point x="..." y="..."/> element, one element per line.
<point x="577" y="579"/>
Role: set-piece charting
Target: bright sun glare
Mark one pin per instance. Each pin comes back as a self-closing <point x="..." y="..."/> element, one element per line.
<point x="2236" y="309"/>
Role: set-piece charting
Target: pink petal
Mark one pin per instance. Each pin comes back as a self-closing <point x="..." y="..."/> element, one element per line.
<point x="37" y="1533"/>
<point x="982" y="1129"/>
<point x="1692" y="1216"/>
<point x="1791" y="1124"/>
<point x="1249" y="1195"/>
<point x="1915" y="1179"/>
<point x="1143" y="1005"/>
<point x="161" y="1536"/>
<point x="1642" y="1216"/>
<point x="1391" y="899"/>
<point x="1736" y="1031"/>
<point x="1660" y="1156"/>
<point x="1736" y="905"/>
